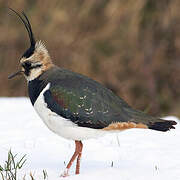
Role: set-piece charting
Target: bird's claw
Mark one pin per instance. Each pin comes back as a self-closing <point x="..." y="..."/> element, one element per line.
<point x="65" y="173"/>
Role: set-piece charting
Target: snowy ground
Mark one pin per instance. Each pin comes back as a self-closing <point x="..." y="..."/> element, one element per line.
<point x="136" y="154"/>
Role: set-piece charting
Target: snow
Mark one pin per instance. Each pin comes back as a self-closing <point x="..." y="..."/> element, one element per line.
<point x="128" y="155"/>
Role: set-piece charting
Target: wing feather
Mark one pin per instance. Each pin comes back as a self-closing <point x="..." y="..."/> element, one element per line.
<point x="85" y="103"/>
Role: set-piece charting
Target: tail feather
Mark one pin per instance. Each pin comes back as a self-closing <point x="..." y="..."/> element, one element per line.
<point x="162" y="125"/>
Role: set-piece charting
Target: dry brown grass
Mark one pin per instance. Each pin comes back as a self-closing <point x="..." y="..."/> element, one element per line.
<point x="132" y="47"/>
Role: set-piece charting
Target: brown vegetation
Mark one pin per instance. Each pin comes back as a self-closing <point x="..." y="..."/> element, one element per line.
<point x="132" y="47"/>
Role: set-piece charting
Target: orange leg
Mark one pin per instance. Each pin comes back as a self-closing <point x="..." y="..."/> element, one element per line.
<point x="77" y="153"/>
<point x="79" y="157"/>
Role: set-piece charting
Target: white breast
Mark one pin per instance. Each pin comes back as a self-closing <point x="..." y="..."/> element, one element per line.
<point x="61" y="126"/>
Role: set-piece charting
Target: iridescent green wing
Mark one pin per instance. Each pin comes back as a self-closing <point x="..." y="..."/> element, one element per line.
<point x="85" y="102"/>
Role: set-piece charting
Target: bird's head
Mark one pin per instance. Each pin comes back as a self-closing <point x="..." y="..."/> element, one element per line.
<point x="36" y="58"/>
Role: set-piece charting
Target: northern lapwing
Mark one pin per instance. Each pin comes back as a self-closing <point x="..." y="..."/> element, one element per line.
<point x="74" y="106"/>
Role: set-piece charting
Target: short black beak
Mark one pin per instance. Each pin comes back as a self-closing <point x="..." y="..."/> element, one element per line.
<point x="15" y="74"/>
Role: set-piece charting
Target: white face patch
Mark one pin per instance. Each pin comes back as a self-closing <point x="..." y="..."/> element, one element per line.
<point x="34" y="73"/>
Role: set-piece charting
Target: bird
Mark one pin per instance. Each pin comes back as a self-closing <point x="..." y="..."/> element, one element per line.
<point x="73" y="105"/>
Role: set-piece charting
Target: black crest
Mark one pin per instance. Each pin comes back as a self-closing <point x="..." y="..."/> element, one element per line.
<point x="27" y="25"/>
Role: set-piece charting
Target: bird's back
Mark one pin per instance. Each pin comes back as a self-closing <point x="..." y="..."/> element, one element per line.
<point x="86" y="102"/>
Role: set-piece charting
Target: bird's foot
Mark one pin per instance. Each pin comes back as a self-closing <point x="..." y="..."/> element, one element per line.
<point x="65" y="173"/>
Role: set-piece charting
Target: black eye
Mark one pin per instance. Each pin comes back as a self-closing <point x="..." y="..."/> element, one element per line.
<point x="26" y="64"/>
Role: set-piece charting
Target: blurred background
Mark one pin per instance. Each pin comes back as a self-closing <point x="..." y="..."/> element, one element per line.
<point x="132" y="47"/>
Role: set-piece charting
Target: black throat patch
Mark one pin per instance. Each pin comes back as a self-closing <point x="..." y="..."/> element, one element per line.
<point x="34" y="88"/>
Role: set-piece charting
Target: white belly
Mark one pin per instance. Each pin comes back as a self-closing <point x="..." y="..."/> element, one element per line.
<point x="61" y="126"/>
